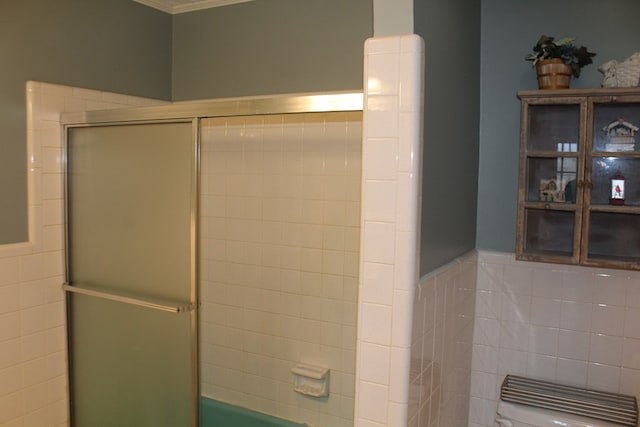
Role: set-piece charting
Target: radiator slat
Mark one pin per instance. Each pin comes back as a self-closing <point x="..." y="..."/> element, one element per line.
<point x="612" y="407"/>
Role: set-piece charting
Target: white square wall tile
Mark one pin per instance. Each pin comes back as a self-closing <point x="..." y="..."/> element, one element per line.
<point x="577" y="285"/>
<point x="633" y="293"/>
<point x="407" y="202"/>
<point x="610" y="288"/>
<point x="409" y="158"/>
<point x="372" y="402"/>
<point x="9" y="270"/>
<point x="631" y="353"/>
<point x="402" y="318"/>
<point x="379" y="242"/>
<point x="576" y="316"/>
<point x="411" y="73"/>
<point x="512" y="362"/>
<point x="412" y="43"/>
<point x="379" y="201"/>
<point x="383" y="74"/>
<point x="632" y="323"/>
<point x="379" y="45"/>
<point x="518" y="279"/>
<point x="543" y="340"/>
<point x="487" y="332"/>
<point x="375" y="323"/>
<point x="572" y="372"/>
<point x="546" y="282"/>
<point x="516" y="308"/>
<point x="381" y="160"/>
<point x="607" y="319"/>
<point x="489" y="304"/>
<point x="545" y="311"/>
<point x="377" y="283"/>
<point x="630" y="381"/>
<point x="399" y="372"/>
<point x="490" y="277"/>
<point x="514" y="336"/>
<point x="406" y="274"/>
<point x="603" y="377"/>
<point x="574" y="344"/>
<point x="375" y="363"/>
<point x="605" y="349"/>
<point x="484" y="358"/>
<point x="541" y="366"/>
<point x="381" y="119"/>
<point x="31" y="267"/>
<point x="485" y="385"/>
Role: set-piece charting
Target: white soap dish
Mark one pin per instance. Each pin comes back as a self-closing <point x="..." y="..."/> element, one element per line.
<point x="311" y="380"/>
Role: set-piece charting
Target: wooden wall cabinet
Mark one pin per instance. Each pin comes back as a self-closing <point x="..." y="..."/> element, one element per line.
<point x="579" y="183"/>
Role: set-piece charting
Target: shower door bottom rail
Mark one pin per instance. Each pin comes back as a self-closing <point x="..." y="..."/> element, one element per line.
<point x="172" y="308"/>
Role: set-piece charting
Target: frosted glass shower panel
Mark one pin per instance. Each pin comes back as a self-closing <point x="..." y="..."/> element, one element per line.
<point x="131" y="197"/>
<point x="280" y="243"/>
<point x="131" y="365"/>
<point x="130" y="209"/>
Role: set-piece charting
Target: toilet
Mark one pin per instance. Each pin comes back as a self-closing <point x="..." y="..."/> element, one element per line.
<point x="517" y="415"/>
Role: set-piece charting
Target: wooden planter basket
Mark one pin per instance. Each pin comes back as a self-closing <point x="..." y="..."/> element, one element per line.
<point x="553" y="74"/>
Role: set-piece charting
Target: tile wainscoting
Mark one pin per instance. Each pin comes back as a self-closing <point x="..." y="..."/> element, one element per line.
<point x="574" y="325"/>
<point x="441" y="345"/>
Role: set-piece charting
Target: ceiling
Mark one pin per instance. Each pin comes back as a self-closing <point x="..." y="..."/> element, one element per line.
<point x="181" y="6"/>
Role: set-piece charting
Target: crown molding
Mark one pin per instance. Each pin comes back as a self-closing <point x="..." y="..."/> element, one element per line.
<point x="174" y="7"/>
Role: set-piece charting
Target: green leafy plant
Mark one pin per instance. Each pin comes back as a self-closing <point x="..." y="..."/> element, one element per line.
<point x="549" y="48"/>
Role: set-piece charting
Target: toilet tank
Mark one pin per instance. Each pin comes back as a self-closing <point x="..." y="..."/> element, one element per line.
<point x="517" y="415"/>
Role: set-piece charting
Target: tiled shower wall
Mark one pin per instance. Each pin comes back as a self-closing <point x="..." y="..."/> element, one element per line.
<point x="441" y="345"/>
<point x="33" y="383"/>
<point x="280" y="251"/>
<point x="573" y="325"/>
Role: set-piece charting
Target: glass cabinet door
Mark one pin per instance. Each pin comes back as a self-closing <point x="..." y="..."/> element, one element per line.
<point x="549" y="176"/>
<point x="612" y="226"/>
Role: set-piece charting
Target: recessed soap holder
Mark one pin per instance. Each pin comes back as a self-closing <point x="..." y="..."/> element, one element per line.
<point x="311" y="380"/>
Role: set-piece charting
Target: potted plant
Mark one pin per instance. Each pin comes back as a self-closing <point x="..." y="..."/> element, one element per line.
<point x="556" y="61"/>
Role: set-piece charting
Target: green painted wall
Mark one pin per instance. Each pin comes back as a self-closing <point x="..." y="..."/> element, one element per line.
<point x="451" y="30"/>
<point x="509" y="31"/>
<point x="114" y="45"/>
<point x="270" y="47"/>
<point x="392" y="17"/>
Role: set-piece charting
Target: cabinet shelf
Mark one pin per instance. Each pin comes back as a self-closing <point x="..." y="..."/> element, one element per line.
<point x="555" y="206"/>
<point x="617" y="154"/>
<point x="579" y="182"/>
<point x="554" y="154"/>
<point x="615" y="209"/>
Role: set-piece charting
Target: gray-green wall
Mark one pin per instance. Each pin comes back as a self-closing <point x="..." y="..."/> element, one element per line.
<point x="113" y="45"/>
<point x="451" y="30"/>
<point x="509" y="31"/>
<point x="269" y="47"/>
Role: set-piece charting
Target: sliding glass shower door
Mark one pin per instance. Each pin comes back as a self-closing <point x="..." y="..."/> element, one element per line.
<point x="131" y="274"/>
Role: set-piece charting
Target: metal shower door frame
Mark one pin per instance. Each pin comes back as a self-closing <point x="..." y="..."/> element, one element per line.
<point x="193" y="112"/>
<point x="179" y="308"/>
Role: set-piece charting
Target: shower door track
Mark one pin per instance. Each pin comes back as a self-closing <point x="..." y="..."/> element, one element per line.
<point x="230" y="107"/>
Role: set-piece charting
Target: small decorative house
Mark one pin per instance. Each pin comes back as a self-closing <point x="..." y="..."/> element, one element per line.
<point x="621" y="135"/>
<point x="551" y="191"/>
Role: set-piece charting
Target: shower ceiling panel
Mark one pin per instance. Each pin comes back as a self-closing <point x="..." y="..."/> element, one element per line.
<point x="181" y="6"/>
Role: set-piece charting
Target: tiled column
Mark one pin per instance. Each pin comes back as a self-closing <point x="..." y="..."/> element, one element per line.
<point x="391" y="225"/>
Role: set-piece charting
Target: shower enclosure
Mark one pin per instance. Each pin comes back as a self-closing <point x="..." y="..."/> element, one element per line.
<point x="211" y="247"/>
